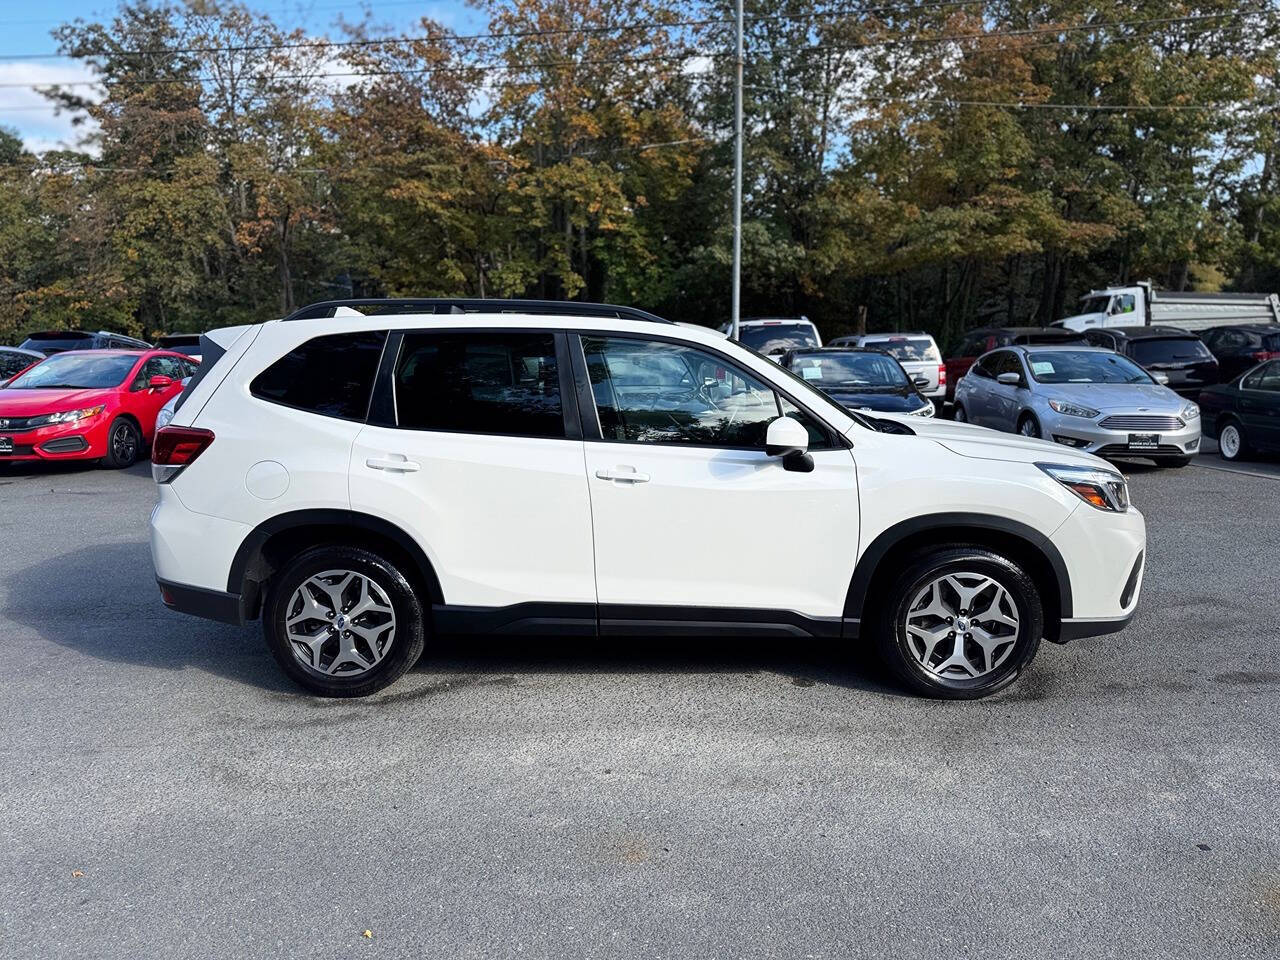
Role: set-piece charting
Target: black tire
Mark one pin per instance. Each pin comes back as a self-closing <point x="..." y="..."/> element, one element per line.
<point x="1175" y="462"/>
<point x="958" y="414"/>
<point x="1239" y="450"/>
<point x="124" y="444"/>
<point x="400" y="651"/>
<point x="902" y="652"/>
<point x="1029" y="426"/>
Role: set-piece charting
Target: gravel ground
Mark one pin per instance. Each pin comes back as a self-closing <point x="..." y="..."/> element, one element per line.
<point x="166" y="793"/>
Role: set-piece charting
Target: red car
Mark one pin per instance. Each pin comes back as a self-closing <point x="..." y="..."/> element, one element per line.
<point x="89" y="405"/>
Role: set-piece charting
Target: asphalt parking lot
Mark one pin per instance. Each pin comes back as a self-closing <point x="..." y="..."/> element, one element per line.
<point x="165" y="792"/>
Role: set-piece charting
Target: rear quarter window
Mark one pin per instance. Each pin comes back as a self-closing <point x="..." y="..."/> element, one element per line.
<point x="331" y="375"/>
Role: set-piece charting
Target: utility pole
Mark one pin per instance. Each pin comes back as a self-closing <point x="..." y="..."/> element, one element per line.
<point x="736" y="314"/>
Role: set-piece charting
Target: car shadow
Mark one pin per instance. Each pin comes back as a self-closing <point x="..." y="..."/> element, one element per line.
<point x="67" y="468"/>
<point x="106" y="605"/>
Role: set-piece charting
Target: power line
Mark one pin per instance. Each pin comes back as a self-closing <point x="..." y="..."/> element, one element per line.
<point x="513" y="34"/>
<point x="814" y="48"/>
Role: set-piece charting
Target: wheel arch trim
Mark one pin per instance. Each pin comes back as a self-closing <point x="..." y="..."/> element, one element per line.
<point x="250" y="550"/>
<point x="879" y="548"/>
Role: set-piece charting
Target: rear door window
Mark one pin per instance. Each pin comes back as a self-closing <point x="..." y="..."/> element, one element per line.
<point x="480" y="382"/>
<point x="331" y="375"/>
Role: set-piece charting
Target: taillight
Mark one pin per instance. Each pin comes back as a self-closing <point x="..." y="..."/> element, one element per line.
<point x="1262" y="356"/>
<point x="174" y="448"/>
<point x="942" y="375"/>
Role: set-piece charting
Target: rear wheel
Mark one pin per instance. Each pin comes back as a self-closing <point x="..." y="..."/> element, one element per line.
<point x="959" y="623"/>
<point x="958" y="414"/>
<point x="343" y="621"/>
<point x="1231" y="442"/>
<point x="124" y="442"/>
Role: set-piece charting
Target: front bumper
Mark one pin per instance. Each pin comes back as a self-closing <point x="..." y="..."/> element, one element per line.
<point x="1091" y="437"/>
<point x="1105" y="556"/>
<point x="82" y="440"/>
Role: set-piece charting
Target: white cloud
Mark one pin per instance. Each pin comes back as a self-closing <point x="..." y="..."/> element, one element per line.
<point x="22" y="108"/>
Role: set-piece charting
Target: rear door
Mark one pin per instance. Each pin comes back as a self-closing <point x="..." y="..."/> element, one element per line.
<point x="691" y="515"/>
<point x="472" y="447"/>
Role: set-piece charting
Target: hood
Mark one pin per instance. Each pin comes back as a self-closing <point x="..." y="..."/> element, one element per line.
<point x="32" y="403"/>
<point x="900" y="401"/>
<point x="1084" y="321"/>
<point x="1115" y="397"/>
<point x="983" y="443"/>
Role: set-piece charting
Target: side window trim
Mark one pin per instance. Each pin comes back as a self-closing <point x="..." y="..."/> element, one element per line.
<point x="590" y="416"/>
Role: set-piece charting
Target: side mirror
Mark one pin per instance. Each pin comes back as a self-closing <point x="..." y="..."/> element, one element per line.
<point x="1012" y="379"/>
<point x="788" y="439"/>
<point x="160" y="382"/>
<point x="1160" y="377"/>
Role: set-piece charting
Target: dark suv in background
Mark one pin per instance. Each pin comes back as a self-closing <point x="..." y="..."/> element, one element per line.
<point x="1240" y="348"/>
<point x="56" y="341"/>
<point x="1179" y="355"/>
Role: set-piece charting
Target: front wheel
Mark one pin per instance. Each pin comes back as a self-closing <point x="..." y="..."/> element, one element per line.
<point x="1029" y="426"/>
<point x="343" y="621"/>
<point x="959" y="623"/>
<point x="124" y="441"/>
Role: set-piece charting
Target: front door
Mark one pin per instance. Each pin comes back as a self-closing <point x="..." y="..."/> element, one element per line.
<point x="1260" y="406"/>
<point x="689" y="511"/>
<point x="475" y="455"/>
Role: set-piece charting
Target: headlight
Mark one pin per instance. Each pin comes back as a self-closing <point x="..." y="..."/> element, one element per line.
<point x="1098" y="488"/>
<point x="164" y="416"/>
<point x="925" y="411"/>
<point x="1072" y="409"/>
<point x="1191" y="411"/>
<point x="67" y="416"/>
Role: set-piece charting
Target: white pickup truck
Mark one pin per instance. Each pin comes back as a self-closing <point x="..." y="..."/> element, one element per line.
<point x="1141" y="306"/>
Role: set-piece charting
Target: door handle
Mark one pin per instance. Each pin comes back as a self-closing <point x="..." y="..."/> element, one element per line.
<point x="393" y="464"/>
<point x="623" y="475"/>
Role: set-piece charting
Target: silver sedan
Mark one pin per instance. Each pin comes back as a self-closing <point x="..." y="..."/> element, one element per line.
<point x="1083" y="397"/>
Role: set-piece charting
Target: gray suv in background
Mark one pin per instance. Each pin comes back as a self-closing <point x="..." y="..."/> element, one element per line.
<point x="1083" y="397"/>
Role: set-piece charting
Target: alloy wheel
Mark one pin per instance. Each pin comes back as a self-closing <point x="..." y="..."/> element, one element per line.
<point x="124" y="443"/>
<point x="962" y="625"/>
<point x="340" y="623"/>
<point x="1028" y="428"/>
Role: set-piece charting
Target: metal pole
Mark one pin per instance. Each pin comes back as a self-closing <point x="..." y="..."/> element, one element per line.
<point x="736" y="314"/>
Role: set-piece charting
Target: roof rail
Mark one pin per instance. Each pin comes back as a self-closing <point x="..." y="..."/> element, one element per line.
<point x="456" y="305"/>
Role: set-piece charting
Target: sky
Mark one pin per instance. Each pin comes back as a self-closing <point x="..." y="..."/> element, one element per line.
<point x="25" y="29"/>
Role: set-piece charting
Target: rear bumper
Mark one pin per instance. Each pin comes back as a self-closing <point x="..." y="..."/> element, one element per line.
<point x="199" y="602"/>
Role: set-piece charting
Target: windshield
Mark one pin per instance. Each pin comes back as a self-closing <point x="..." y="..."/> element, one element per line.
<point x="777" y="337"/>
<point x="907" y="349"/>
<point x="1169" y="350"/>
<point x="1095" y="304"/>
<point x="1081" y="366"/>
<point x="860" y="370"/>
<point x="85" y="370"/>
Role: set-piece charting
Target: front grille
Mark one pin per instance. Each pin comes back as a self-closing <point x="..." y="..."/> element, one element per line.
<point x="16" y="424"/>
<point x="1135" y="422"/>
<point x="1122" y="450"/>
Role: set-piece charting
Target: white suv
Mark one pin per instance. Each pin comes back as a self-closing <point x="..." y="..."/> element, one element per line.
<point x="364" y="483"/>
